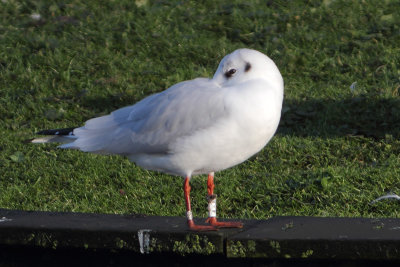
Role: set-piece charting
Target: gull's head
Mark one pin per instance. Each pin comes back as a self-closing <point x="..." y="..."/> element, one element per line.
<point x="244" y="65"/>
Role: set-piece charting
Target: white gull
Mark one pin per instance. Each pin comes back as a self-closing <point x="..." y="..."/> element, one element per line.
<point x="194" y="127"/>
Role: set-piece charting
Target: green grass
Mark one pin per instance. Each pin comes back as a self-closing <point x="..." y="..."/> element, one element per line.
<point x="336" y="149"/>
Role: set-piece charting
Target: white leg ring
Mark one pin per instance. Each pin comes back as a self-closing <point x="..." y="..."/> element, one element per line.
<point x="189" y="215"/>
<point x="212" y="207"/>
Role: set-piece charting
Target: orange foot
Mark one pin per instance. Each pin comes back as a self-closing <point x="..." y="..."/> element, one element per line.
<point x="195" y="227"/>
<point x="213" y="221"/>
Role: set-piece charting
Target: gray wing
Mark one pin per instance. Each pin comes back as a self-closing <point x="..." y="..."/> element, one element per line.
<point x="152" y="124"/>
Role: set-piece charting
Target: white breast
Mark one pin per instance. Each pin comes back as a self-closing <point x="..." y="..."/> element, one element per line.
<point x="254" y="113"/>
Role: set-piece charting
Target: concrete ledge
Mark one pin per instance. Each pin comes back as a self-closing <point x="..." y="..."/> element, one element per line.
<point x="281" y="238"/>
<point x="319" y="238"/>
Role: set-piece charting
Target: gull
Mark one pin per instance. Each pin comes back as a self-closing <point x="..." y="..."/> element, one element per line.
<point x="195" y="127"/>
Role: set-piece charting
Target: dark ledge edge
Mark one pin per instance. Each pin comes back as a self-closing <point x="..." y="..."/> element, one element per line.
<point x="285" y="238"/>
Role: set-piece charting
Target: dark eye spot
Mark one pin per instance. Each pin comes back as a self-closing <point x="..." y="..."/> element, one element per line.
<point x="247" y="67"/>
<point x="229" y="73"/>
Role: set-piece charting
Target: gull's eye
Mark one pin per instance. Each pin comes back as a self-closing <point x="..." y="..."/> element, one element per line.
<point x="230" y="73"/>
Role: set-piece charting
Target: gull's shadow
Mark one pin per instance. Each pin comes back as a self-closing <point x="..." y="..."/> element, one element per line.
<point x="367" y="116"/>
<point x="108" y="103"/>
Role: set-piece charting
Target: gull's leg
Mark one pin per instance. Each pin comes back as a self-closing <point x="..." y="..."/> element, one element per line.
<point x="189" y="215"/>
<point x="212" y="207"/>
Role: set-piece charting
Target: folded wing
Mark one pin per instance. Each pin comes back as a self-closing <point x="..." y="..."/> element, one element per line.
<point x="151" y="125"/>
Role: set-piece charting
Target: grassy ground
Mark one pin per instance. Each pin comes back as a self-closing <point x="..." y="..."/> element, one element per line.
<point x="336" y="150"/>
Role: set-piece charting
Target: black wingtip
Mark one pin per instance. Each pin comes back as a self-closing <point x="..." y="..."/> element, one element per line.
<point x="63" y="131"/>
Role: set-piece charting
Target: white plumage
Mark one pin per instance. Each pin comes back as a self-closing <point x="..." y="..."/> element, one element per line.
<point x="197" y="126"/>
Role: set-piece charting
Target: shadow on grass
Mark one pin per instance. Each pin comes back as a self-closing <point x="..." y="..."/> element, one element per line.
<point x="108" y="103"/>
<point x="367" y="116"/>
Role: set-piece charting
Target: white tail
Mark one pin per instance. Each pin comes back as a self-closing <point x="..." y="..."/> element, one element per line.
<point x="63" y="136"/>
<point x="54" y="139"/>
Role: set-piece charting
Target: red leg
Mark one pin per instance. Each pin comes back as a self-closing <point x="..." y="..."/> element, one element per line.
<point x="210" y="184"/>
<point x="192" y="226"/>
<point x="212" y="207"/>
